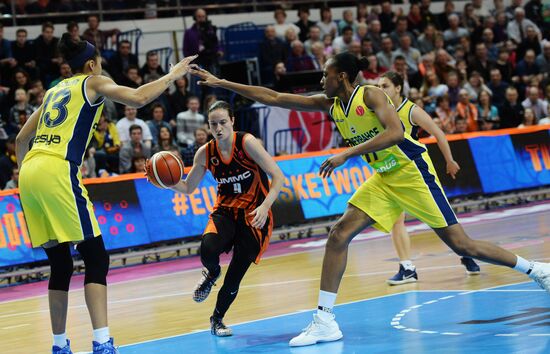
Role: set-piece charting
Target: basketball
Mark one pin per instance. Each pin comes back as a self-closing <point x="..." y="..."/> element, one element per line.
<point x="164" y="169"/>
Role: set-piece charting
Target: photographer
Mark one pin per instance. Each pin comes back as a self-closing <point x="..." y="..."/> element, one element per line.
<point x="201" y="39"/>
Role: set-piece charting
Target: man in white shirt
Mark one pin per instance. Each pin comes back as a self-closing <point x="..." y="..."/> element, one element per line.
<point x="123" y="127"/>
<point x="517" y="29"/>
<point x="539" y="107"/>
<point x="188" y="122"/>
<point x="341" y="43"/>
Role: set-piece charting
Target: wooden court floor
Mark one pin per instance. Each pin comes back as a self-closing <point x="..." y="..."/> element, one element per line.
<point x="161" y="306"/>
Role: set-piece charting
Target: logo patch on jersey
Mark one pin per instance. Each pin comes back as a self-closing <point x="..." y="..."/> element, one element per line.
<point x="359" y="110"/>
<point x="233" y="179"/>
<point x="214" y="161"/>
<point x="352" y="129"/>
<point x="388" y="164"/>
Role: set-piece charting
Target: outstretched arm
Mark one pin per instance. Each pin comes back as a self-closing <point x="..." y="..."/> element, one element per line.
<point x="265" y="95"/>
<point x="103" y="86"/>
<point x="188" y="185"/>
<point x="257" y="152"/>
<point x="422" y="119"/>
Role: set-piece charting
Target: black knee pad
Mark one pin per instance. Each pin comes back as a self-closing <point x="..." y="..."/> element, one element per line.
<point x="96" y="260"/>
<point x="61" y="264"/>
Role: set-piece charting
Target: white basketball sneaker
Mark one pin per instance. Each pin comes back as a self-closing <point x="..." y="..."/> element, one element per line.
<point x="317" y="331"/>
<point x="541" y="275"/>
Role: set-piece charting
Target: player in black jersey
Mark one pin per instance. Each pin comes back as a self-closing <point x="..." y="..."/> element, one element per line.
<point x="242" y="218"/>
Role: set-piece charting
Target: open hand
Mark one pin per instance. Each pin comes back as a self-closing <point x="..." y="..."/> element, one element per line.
<point x="206" y="77"/>
<point x="183" y="66"/>
<point x="260" y="216"/>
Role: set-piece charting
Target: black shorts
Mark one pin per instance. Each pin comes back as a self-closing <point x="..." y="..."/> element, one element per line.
<point x="232" y="225"/>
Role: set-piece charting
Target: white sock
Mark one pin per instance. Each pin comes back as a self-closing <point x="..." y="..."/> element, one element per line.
<point x="101" y="335"/>
<point x="60" y="340"/>
<point x="326" y="303"/>
<point x="407" y="264"/>
<point x="523" y="265"/>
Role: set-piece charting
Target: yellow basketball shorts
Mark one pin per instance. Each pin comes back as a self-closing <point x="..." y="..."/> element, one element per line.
<point x="413" y="188"/>
<point x="55" y="202"/>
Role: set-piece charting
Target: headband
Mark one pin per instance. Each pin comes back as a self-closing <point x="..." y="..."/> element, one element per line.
<point x="87" y="54"/>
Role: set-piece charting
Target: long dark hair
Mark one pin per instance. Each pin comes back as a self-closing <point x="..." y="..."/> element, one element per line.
<point x="76" y="53"/>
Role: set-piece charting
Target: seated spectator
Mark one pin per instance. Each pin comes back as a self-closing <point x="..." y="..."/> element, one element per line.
<point x="14" y="181"/>
<point x="14" y="124"/>
<point x="304" y="24"/>
<point x="354" y="48"/>
<point x="165" y="141"/>
<point x="281" y="84"/>
<point x="138" y="164"/>
<point x="74" y="31"/>
<point x="498" y="88"/>
<point x="129" y="119"/>
<point x="517" y="28"/>
<point x="411" y="55"/>
<point x="318" y="54"/>
<point x="362" y="31"/>
<point x="341" y="43"/>
<point x="375" y="35"/>
<point x="400" y="66"/>
<point x="454" y="32"/>
<point x="414" y="18"/>
<point x="401" y="30"/>
<point x="157" y="121"/>
<point x="151" y="70"/>
<point x="281" y="26"/>
<point x="298" y="59"/>
<point x="467" y="110"/>
<point x="107" y="144"/>
<point x="178" y="98"/>
<point x="535" y="103"/>
<point x="481" y="62"/>
<point x="24" y="53"/>
<point x="487" y="111"/>
<point x="385" y="57"/>
<point x="387" y="17"/>
<point x="372" y="74"/>
<point x="121" y="61"/>
<point x="272" y="50"/>
<point x="131" y="77"/>
<point x="64" y="73"/>
<point x="290" y="36"/>
<point x="527" y="70"/>
<point x="347" y="21"/>
<point x="475" y="85"/>
<point x="8" y="162"/>
<point x="427" y="63"/>
<point x="326" y="24"/>
<point x="188" y="121"/>
<point x="529" y="118"/>
<point x="313" y="37"/>
<point x="443" y="18"/>
<point x="7" y="62"/>
<point x="461" y="125"/>
<point x="531" y="41"/>
<point x="426" y="41"/>
<point x="96" y="36"/>
<point x="512" y="110"/>
<point x="469" y="19"/>
<point x="36" y="93"/>
<point x="327" y="41"/>
<point x="488" y="40"/>
<point x="543" y="59"/>
<point x="446" y="115"/>
<point x="366" y="47"/>
<point x="201" y="138"/>
<point x="431" y="90"/>
<point x="135" y="147"/>
<point x="49" y="59"/>
<point x="504" y="65"/>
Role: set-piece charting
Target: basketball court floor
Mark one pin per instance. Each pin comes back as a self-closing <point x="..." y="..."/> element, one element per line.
<point x="151" y="310"/>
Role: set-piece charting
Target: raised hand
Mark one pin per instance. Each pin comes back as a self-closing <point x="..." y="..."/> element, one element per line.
<point x="183" y="66"/>
<point x="206" y="77"/>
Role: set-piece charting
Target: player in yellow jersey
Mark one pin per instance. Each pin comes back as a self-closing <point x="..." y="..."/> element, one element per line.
<point x="414" y="117"/>
<point x="55" y="202"/>
<point x="405" y="180"/>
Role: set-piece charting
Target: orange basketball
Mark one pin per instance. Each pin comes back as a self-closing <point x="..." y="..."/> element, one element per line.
<point x="164" y="169"/>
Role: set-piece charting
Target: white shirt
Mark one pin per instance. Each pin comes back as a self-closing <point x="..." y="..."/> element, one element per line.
<point x="187" y="123"/>
<point x="327" y="28"/>
<point x="513" y="29"/>
<point x="123" y="127"/>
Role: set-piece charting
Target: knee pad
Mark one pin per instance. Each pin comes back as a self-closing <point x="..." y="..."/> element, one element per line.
<point x="96" y="260"/>
<point x="61" y="265"/>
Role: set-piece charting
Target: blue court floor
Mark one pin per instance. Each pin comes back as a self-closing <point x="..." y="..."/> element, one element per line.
<point x="508" y="319"/>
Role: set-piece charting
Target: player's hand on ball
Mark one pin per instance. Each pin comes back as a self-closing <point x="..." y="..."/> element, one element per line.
<point x="206" y="77"/>
<point x="260" y="216"/>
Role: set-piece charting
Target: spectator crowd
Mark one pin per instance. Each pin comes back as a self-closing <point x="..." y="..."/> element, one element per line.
<point x="481" y="67"/>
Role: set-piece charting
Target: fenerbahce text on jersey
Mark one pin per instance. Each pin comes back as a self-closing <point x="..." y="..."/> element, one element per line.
<point x="357" y="123"/>
<point x="67" y="122"/>
<point x="241" y="182"/>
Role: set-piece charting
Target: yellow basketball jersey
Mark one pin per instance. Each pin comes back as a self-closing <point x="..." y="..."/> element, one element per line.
<point x="67" y="122"/>
<point x="358" y="123"/>
<point x="405" y="114"/>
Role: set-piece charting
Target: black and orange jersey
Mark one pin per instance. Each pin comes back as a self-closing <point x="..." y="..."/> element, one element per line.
<point x="242" y="183"/>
